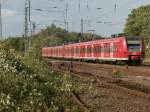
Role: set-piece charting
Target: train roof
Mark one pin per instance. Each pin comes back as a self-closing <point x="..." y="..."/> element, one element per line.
<point x="98" y="41"/>
<point x="133" y="37"/>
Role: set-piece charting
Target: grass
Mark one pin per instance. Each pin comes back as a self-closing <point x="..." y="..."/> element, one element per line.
<point x="117" y="73"/>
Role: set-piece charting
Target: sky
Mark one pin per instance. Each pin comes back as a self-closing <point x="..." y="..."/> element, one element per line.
<point x="105" y="17"/>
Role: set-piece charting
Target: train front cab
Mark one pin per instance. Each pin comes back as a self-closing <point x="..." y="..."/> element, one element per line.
<point x="135" y="49"/>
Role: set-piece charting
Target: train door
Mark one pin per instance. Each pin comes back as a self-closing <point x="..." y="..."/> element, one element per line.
<point x="74" y="53"/>
<point x="56" y="52"/>
<point x="82" y="51"/>
<point x="77" y="52"/>
<point x="53" y="52"/>
<point x="89" y="51"/>
<point x="111" y="50"/>
<point x="66" y="52"/>
<point x="63" y="51"/>
<point x="107" y="51"/>
<point x="47" y="52"/>
<point x="102" y="51"/>
<point x="96" y="51"/>
<point x="115" y="50"/>
<point x="69" y="54"/>
<point x="92" y="52"/>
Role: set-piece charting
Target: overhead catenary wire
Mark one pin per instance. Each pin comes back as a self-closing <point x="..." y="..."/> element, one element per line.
<point x="120" y="7"/>
<point x="116" y="8"/>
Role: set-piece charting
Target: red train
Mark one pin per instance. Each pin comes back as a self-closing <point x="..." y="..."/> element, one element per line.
<point x="120" y="49"/>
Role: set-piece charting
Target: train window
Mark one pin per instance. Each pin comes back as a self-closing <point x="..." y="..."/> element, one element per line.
<point x="77" y="50"/>
<point x="104" y="49"/>
<point x="53" y="51"/>
<point x="134" y="47"/>
<point x="95" y="49"/>
<point x="114" y="49"/>
<point x="81" y="50"/>
<point x="111" y="49"/>
<point x="72" y="50"/>
<point x="68" y="50"/>
<point x="99" y="50"/>
<point x="108" y="48"/>
<point x="89" y="50"/>
<point x="56" y="51"/>
<point x="50" y="52"/>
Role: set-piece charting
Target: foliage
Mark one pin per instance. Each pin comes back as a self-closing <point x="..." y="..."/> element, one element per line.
<point x="15" y="43"/>
<point x="50" y="36"/>
<point x="138" y="22"/>
<point x="117" y="73"/>
<point x="26" y="88"/>
<point x="28" y="83"/>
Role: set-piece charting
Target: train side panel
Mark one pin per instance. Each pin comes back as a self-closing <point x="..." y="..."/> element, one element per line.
<point x="114" y="49"/>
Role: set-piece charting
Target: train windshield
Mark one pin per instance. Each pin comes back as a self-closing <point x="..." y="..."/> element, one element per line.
<point x="134" y="46"/>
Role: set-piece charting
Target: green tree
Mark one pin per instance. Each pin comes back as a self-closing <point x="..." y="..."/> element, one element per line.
<point x="15" y="43"/>
<point x="138" y="22"/>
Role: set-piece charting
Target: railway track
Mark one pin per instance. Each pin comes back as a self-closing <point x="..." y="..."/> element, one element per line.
<point x="76" y="98"/>
<point x="132" y="89"/>
<point x="85" y="70"/>
<point x="118" y="82"/>
<point x="80" y="102"/>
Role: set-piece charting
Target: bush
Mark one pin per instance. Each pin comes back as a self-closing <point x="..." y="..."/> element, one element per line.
<point x="26" y="88"/>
